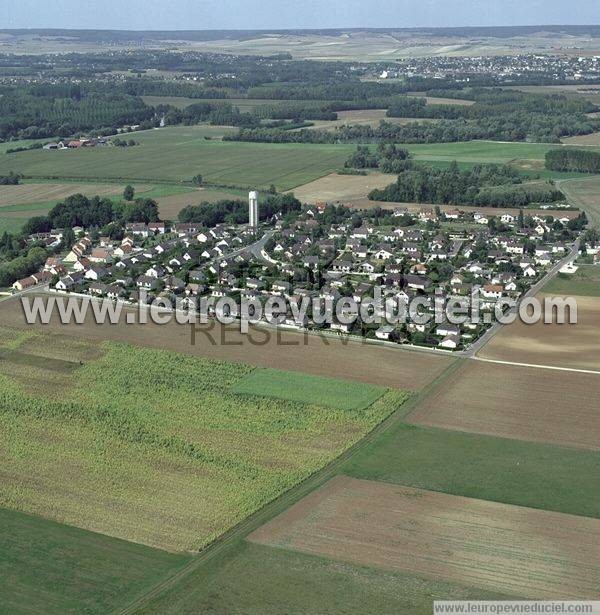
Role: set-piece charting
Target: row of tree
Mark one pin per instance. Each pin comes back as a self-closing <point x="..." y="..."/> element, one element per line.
<point x="571" y="159"/>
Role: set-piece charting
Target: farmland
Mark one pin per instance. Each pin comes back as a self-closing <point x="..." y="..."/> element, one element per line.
<point x="153" y="446"/>
<point x="444" y="537"/>
<point x="335" y="187"/>
<point x="488" y="468"/>
<point x="180" y="153"/>
<point x="585" y="194"/>
<point x="530" y="409"/>
<point x="285" y="581"/>
<point x="321" y="356"/>
<point x="308" y="389"/>
<point x="584" y="282"/>
<point x="572" y="346"/>
<point x="53" y="568"/>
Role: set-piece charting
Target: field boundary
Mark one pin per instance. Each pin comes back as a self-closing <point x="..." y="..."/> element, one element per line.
<point x="537" y="366"/>
<point x="270" y="510"/>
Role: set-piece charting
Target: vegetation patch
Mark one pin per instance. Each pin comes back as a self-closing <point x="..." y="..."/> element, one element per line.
<point x="284" y="581"/>
<point x="154" y="446"/>
<point x="47" y="567"/>
<point x="345" y="395"/>
<point x="584" y="282"/>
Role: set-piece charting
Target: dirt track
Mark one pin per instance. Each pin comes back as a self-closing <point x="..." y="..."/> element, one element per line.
<point x="391" y="367"/>
<point x="520" y="551"/>
<point x="517" y="402"/>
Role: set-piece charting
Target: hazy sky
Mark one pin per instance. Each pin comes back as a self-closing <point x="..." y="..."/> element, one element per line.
<point x="257" y="14"/>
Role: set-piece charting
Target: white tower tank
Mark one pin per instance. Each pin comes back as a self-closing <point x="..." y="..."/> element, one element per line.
<point x="253" y="208"/>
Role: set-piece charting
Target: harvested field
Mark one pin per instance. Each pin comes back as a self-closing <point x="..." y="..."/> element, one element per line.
<point x="538" y="405"/>
<point x="170" y="206"/>
<point x="43" y="193"/>
<point x="591" y="139"/>
<point x="322" y="356"/>
<point x="520" y="551"/>
<point x="336" y="187"/>
<point x="574" y="346"/>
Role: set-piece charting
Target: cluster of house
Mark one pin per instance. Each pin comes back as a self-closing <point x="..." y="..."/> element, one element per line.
<point x="76" y="143"/>
<point x="456" y="254"/>
<point x="313" y="255"/>
<point x="153" y="257"/>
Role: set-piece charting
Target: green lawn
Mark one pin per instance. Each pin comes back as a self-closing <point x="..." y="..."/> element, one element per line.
<point x="179" y="153"/>
<point x="307" y="389"/>
<point x="259" y="580"/>
<point x="48" y="567"/>
<point x="497" y="469"/>
<point x="585" y="282"/>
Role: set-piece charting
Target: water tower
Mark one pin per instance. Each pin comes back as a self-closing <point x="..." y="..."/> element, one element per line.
<point x="253" y="208"/>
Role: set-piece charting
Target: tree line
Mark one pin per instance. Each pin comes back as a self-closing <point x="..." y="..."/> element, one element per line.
<point x="484" y="185"/>
<point x="570" y="159"/>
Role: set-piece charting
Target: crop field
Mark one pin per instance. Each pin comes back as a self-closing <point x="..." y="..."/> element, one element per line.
<point x="571" y="346"/>
<point x="585" y="194"/>
<point x="180" y="153"/>
<point x="480" y="151"/>
<point x="311" y="354"/>
<point x="488" y="468"/>
<point x="585" y="282"/>
<point x="171" y="205"/>
<point x="29" y="193"/>
<point x="152" y="446"/>
<point x="498" y="547"/>
<point x="335" y="187"/>
<point x="285" y="581"/>
<point x="274" y="383"/>
<point x="537" y="406"/>
<point x="245" y="105"/>
<point x="53" y="568"/>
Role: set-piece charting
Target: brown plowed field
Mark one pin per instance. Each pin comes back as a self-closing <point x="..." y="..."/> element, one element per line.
<point x="310" y="354"/>
<point x="512" y="549"/>
<point x="524" y="403"/>
<point x="574" y="346"/>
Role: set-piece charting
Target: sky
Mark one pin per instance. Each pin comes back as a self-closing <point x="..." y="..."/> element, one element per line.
<point x="293" y="14"/>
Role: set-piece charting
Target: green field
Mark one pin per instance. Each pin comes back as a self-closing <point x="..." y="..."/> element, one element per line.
<point x="480" y="151"/>
<point x="152" y="446"/>
<point x="258" y="580"/>
<point x="584" y="282"/>
<point x="48" y="567"/>
<point x="303" y="388"/>
<point x="496" y="469"/>
<point x="585" y="194"/>
<point x="180" y="153"/>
